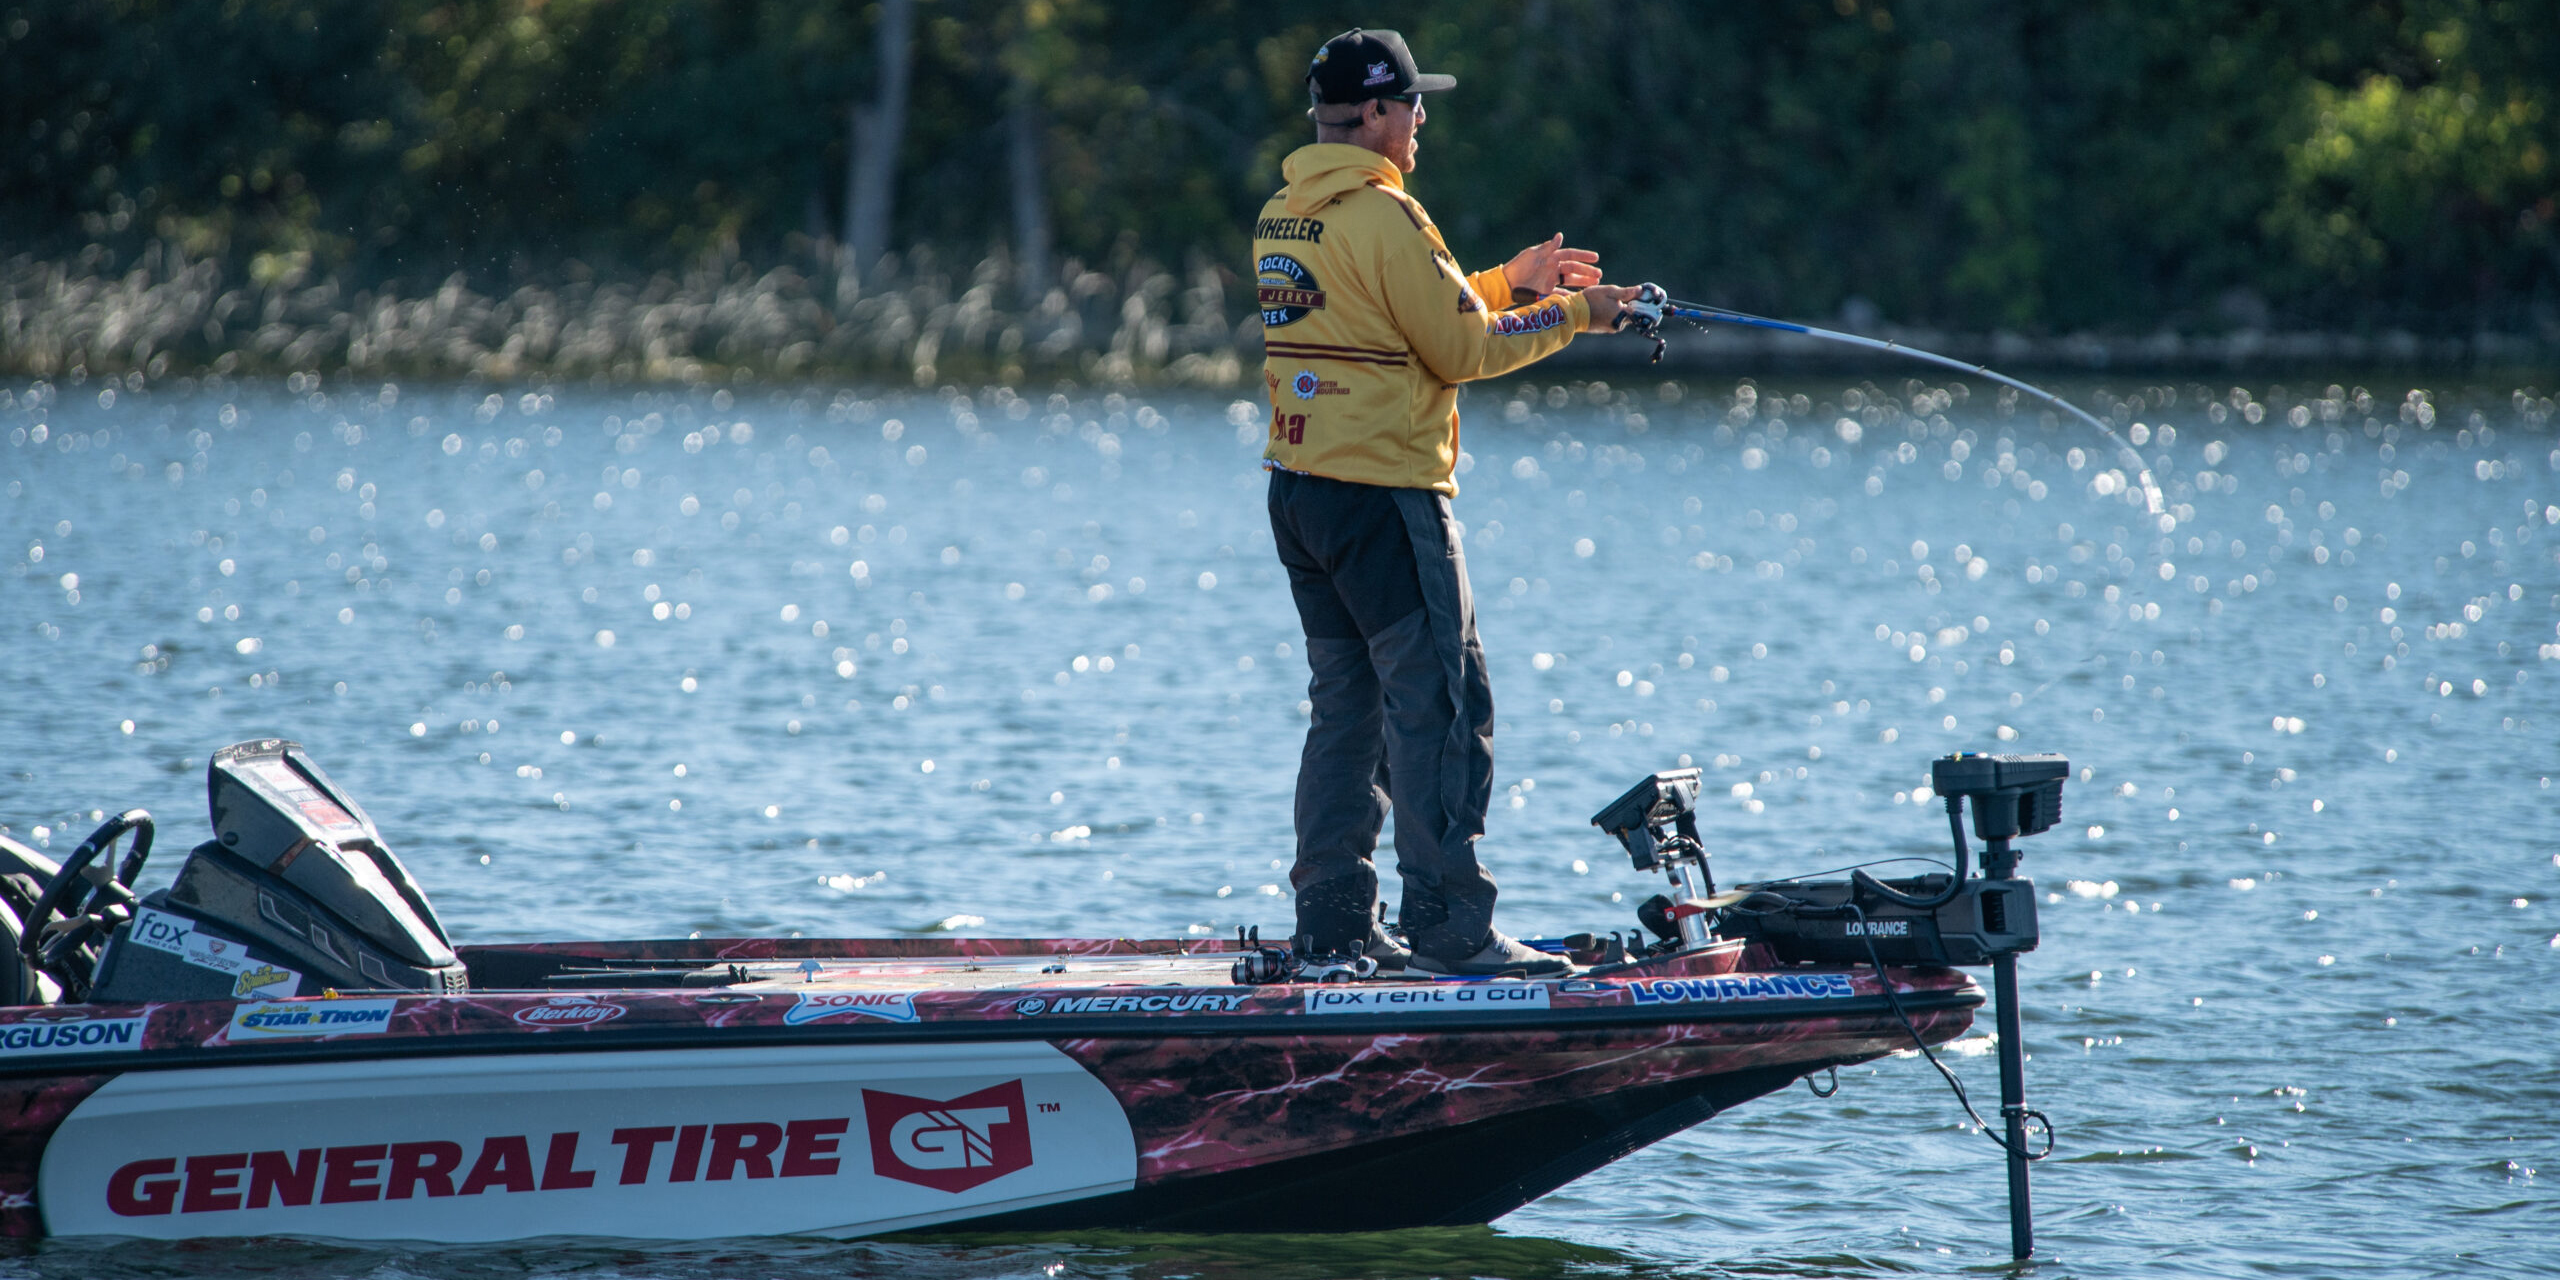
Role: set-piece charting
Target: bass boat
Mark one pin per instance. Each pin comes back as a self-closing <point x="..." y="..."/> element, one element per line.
<point x="285" y="1041"/>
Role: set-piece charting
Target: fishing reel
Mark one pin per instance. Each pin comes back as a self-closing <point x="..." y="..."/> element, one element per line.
<point x="1297" y="962"/>
<point x="1643" y="313"/>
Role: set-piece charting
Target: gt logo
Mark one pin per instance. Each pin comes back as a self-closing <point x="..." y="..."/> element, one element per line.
<point x="949" y="1146"/>
<point x="961" y="1138"/>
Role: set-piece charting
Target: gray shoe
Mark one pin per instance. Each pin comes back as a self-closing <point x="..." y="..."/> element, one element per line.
<point x="1392" y="956"/>
<point x="1501" y="955"/>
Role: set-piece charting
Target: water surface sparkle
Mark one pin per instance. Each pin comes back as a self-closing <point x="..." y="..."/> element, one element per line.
<point x="629" y="664"/>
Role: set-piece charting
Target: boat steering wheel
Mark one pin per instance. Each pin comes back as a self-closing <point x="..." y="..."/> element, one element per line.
<point x="61" y="940"/>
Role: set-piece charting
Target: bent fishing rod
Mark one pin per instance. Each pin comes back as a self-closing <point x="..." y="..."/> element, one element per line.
<point x="1651" y="306"/>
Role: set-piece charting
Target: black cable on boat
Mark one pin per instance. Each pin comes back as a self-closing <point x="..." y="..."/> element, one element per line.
<point x="1955" y="884"/>
<point x="1871" y="862"/>
<point x="1894" y="1000"/>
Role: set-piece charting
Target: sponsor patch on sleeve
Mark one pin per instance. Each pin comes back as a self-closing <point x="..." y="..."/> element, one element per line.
<point x="1512" y="324"/>
<point x="1468" y="299"/>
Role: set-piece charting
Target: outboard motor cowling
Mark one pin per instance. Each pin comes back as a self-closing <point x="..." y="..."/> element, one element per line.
<point x="297" y="878"/>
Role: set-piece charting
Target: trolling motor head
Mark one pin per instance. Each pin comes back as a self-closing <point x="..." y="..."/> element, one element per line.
<point x="2012" y="796"/>
<point x="1940" y="918"/>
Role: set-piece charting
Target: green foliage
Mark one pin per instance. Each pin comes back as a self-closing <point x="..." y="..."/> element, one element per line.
<point x="2042" y="165"/>
<point x="2439" y="185"/>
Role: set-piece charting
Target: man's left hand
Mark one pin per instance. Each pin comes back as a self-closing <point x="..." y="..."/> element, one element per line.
<point x="1541" y="269"/>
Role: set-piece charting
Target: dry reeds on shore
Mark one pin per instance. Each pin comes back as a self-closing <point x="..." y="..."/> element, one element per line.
<point x="159" y="313"/>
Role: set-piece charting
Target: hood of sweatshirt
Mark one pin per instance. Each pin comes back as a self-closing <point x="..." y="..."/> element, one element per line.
<point x="1323" y="172"/>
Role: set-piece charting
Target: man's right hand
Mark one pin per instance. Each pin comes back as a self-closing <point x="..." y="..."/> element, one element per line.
<point x="1605" y="299"/>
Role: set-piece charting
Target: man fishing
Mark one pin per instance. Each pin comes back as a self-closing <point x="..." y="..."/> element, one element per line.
<point x="1369" y="327"/>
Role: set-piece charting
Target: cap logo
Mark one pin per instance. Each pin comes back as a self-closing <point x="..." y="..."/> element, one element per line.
<point x="1380" y="73"/>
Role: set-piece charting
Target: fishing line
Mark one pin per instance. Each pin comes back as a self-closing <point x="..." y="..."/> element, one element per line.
<point x="1652" y="305"/>
<point x="1700" y="314"/>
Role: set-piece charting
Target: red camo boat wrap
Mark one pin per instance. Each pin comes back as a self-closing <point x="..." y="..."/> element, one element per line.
<point x="1048" y="1100"/>
<point x="1257" y="1100"/>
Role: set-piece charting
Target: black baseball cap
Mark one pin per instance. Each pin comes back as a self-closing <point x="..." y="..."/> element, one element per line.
<point x="1359" y="65"/>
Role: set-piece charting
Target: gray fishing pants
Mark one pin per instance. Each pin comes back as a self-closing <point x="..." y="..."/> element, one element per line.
<point x="1403" y="711"/>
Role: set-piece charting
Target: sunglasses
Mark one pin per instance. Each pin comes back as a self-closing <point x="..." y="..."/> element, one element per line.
<point x="1413" y="100"/>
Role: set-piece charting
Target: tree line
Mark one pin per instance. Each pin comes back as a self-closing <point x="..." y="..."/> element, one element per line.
<point x="2035" y="165"/>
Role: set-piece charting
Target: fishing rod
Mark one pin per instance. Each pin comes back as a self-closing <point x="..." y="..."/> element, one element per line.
<point x="1652" y="306"/>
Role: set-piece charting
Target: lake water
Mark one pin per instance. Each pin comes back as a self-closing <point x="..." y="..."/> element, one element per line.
<point x="618" y="663"/>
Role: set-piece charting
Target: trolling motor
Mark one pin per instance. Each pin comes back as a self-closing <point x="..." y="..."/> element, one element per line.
<point x="1939" y="920"/>
<point x="2012" y="796"/>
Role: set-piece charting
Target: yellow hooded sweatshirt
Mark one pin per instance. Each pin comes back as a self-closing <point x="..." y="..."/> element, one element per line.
<point x="1369" y="326"/>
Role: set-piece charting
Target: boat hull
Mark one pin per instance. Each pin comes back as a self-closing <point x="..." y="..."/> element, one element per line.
<point x="1460" y="1175"/>
<point x="840" y="1109"/>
